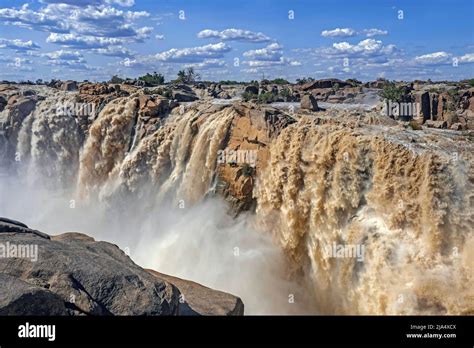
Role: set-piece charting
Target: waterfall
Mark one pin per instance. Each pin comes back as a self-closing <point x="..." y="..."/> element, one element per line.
<point x="349" y="218"/>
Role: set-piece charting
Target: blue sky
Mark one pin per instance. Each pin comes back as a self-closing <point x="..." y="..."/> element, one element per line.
<point x="238" y="39"/>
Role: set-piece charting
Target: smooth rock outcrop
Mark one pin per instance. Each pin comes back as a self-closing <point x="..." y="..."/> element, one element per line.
<point x="69" y="86"/>
<point x="308" y="102"/>
<point x="251" y="89"/>
<point x="72" y="274"/>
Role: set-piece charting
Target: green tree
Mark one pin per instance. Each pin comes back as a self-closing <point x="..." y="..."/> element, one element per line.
<point x="116" y="79"/>
<point x="187" y="76"/>
<point x="153" y="80"/>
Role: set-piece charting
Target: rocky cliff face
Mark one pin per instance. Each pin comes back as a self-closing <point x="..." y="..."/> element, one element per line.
<point x="72" y="274"/>
<point x="454" y="108"/>
<point x="312" y="180"/>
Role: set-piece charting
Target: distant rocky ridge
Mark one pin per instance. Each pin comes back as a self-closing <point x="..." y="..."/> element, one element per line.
<point x="72" y="274"/>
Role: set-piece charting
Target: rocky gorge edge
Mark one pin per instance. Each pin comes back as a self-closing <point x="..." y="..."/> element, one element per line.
<point x="73" y="274"/>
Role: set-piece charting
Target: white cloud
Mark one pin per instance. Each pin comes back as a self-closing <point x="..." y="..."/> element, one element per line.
<point x="467" y="58"/>
<point x="130" y="63"/>
<point x="66" y="58"/>
<point x="339" y="32"/>
<point x="104" y="21"/>
<point x="250" y="71"/>
<point x="208" y="64"/>
<point x="267" y="63"/>
<point x="95" y="19"/>
<point x="272" y="52"/>
<point x="434" y="58"/>
<point x="42" y="19"/>
<point x="64" y="54"/>
<point x="349" y="32"/>
<point x="374" y="32"/>
<point x="193" y="54"/>
<point x="73" y="40"/>
<point x="83" y="3"/>
<point x="365" y="48"/>
<point x="20" y="64"/>
<point x="159" y="37"/>
<point x="124" y="3"/>
<point x="18" y="45"/>
<point x="269" y="56"/>
<point x="114" y="51"/>
<point x="233" y="35"/>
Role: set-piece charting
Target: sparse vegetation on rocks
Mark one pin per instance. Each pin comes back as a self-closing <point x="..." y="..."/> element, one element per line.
<point x="154" y="79"/>
<point x="391" y="92"/>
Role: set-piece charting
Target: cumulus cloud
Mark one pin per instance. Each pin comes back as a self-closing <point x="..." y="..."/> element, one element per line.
<point x="339" y="32"/>
<point x="18" y="45"/>
<point x="83" y="3"/>
<point x="193" y="54"/>
<point x="42" y="19"/>
<point x="70" y="64"/>
<point x="374" y="32"/>
<point x="349" y="32"/>
<point x="73" y="40"/>
<point x="107" y="21"/>
<point x="114" y="51"/>
<point x="271" y="55"/>
<point x="279" y="62"/>
<point x="82" y="24"/>
<point x="159" y="37"/>
<point x="233" y="35"/>
<point x="66" y="58"/>
<point x="208" y="64"/>
<point x="19" y="64"/>
<point x="467" y="58"/>
<point x="272" y="52"/>
<point x="365" y="48"/>
<point x="434" y="58"/>
<point x="64" y="54"/>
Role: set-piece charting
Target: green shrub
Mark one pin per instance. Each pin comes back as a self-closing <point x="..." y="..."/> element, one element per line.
<point x="279" y="81"/>
<point x="266" y="98"/>
<point x="304" y="80"/>
<point x="247" y="170"/>
<point x="456" y="97"/>
<point x="164" y="92"/>
<point x="391" y="92"/>
<point x="285" y="93"/>
<point x="153" y="80"/>
<point x="249" y="96"/>
<point x="116" y="79"/>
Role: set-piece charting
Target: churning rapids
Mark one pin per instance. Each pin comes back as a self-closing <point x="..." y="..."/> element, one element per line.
<point x="322" y="181"/>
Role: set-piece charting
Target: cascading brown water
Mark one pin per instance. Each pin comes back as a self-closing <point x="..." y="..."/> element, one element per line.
<point x="406" y="197"/>
<point x="411" y="205"/>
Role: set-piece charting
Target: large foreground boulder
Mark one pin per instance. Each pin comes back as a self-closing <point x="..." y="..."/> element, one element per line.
<point x="72" y="274"/>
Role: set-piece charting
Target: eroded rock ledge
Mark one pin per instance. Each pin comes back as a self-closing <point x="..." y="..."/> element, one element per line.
<point x="75" y="275"/>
